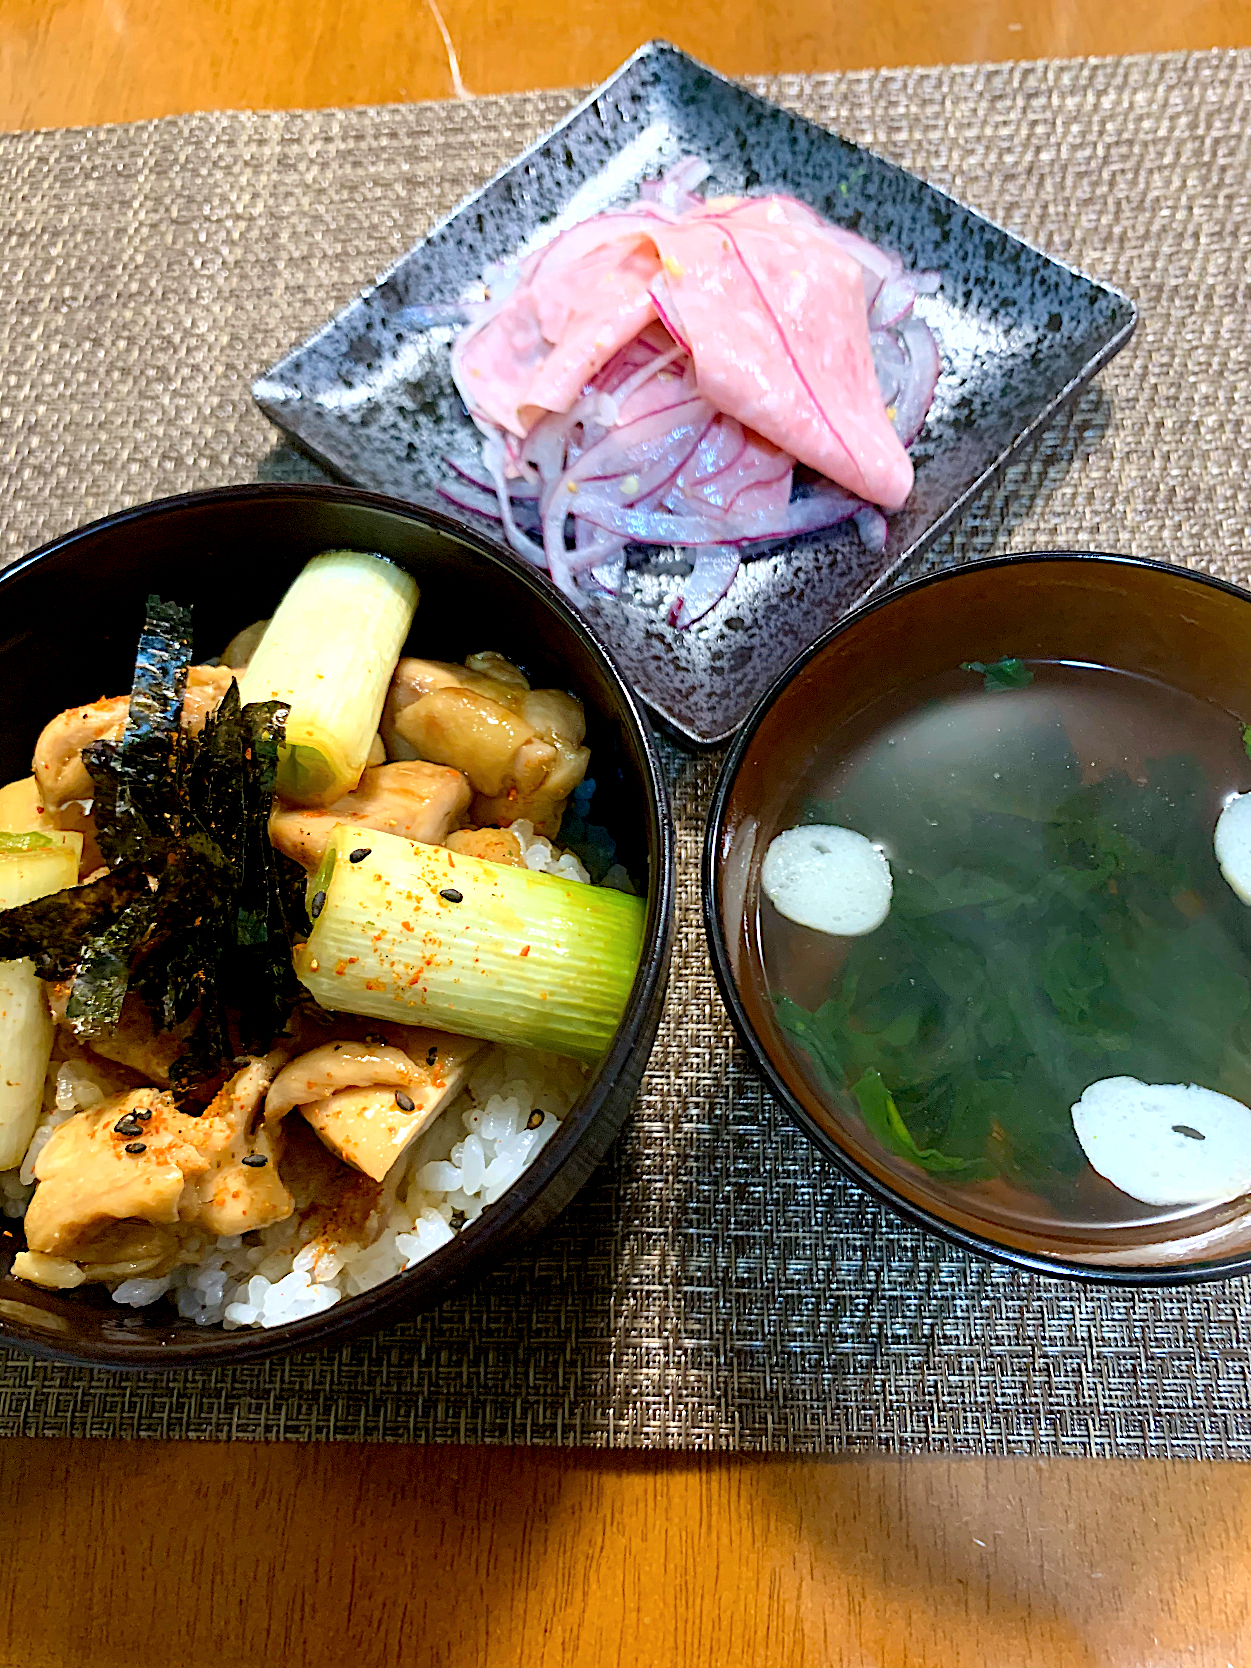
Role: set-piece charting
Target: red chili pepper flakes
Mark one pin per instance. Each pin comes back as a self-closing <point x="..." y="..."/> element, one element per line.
<point x="525" y="951"/>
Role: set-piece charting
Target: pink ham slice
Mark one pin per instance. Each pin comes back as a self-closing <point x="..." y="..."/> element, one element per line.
<point x="767" y="299"/>
<point x="774" y="313"/>
<point x="579" y="300"/>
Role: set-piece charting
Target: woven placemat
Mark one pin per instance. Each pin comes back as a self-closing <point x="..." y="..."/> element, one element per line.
<point x="716" y="1285"/>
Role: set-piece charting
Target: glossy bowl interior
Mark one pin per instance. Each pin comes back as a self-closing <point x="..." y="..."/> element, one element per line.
<point x="69" y="621"/>
<point x="1180" y="628"/>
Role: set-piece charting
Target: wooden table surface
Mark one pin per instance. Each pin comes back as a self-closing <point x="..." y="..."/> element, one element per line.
<point x="212" y="1556"/>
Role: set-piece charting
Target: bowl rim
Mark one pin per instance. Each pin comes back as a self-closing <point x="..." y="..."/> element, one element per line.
<point x="1134" y="1276"/>
<point x="465" y="1258"/>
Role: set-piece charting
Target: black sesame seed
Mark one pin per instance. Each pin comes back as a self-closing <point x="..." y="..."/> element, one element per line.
<point x="318" y="904"/>
<point x="360" y="854"/>
<point x="452" y="895"/>
<point x="128" y="1125"/>
<point x="458" y="1220"/>
<point x="136" y="1146"/>
<point x="240" y="1061"/>
<point x="432" y="1054"/>
<point x="142" y="1116"/>
<point x="404" y="1102"/>
<point x="535" y="1119"/>
<point x="254" y="1160"/>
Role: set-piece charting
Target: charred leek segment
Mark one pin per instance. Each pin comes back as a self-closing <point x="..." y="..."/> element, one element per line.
<point x="31" y="866"/>
<point x="426" y="936"/>
<point x="329" y="653"/>
<point x="25" y="1048"/>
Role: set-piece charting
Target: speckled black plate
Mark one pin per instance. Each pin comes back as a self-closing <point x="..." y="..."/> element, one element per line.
<point x="371" y="395"/>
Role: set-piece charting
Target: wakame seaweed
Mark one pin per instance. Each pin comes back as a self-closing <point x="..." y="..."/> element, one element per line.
<point x="197" y="911"/>
<point x="1044" y="932"/>
<point x="997" y="675"/>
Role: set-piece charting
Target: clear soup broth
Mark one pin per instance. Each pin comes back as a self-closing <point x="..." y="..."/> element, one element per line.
<point x="1058" y="918"/>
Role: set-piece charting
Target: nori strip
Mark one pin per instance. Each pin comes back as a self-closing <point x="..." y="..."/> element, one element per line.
<point x="160" y="681"/>
<point x="100" y="984"/>
<point x="197" y="901"/>
<point x="53" y="931"/>
<point x="134" y="816"/>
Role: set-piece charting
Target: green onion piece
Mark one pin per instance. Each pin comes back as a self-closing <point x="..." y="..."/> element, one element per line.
<point x="11" y="842"/>
<point x="26" y="1030"/>
<point x="523" y="958"/>
<point x="28" y="872"/>
<point x="998" y="675"/>
<point x="329" y="653"/>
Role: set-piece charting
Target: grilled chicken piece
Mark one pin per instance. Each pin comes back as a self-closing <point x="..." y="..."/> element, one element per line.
<point x="333" y="1066"/>
<point x="133" y="1042"/>
<point x="368" y="1102"/>
<point x="521" y="748"/>
<point x="492" y="845"/>
<point x="58" y="764"/>
<point x="417" y="800"/>
<point x="243" y="645"/>
<point x="97" y="1203"/>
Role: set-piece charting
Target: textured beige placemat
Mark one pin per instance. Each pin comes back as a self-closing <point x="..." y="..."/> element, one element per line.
<point x="715" y="1285"/>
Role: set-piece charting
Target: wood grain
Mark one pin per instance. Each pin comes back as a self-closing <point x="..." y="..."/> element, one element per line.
<point x="64" y="62"/>
<point x="208" y="1556"/>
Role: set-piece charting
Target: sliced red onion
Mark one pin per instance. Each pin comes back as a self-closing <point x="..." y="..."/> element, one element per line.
<point x="466" y="497"/>
<point x="608" y="576"/>
<point x="493" y="457"/>
<point x="644" y="458"/>
<point x="474" y="475"/>
<point x="924" y="369"/>
<point x="676" y="186"/>
<point x="894" y="301"/>
<point x="714" y="572"/>
<point x="825" y="507"/>
<point x="890" y="361"/>
<point x="871" y="526"/>
<point x="662" y="301"/>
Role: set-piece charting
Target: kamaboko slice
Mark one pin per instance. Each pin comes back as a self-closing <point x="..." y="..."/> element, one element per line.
<point x="831" y="879"/>
<point x="1232" y="845"/>
<point x="1166" y="1143"/>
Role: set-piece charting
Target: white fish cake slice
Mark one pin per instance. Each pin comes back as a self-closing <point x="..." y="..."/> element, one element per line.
<point x="1166" y="1144"/>
<point x="1232" y="845"/>
<point x="831" y="879"/>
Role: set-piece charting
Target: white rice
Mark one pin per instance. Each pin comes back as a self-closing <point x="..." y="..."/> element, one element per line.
<point x="469" y="1156"/>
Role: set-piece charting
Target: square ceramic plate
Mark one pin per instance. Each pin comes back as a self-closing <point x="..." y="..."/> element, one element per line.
<point x="371" y="395"/>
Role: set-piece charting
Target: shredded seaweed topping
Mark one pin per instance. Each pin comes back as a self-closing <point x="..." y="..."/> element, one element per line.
<point x="196" y="905"/>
